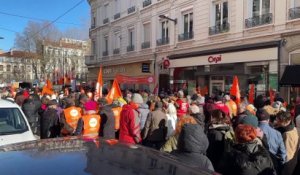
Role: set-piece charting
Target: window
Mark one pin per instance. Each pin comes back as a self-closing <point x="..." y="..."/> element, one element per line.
<point x="23" y="68"/>
<point x="117" y="43"/>
<point x="259" y="12"/>
<point x="117" y="6"/>
<point x="146" y="36"/>
<point x="1" y="67"/>
<point x="294" y="11"/>
<point x="131" y="39"/>
<point x="131" y="6"/>
<point x="105" y="52"/>
<point x="219" y="18"/>
<point x="1" y="76"/>
<point x="12" y="121"/>
<point x="105" y="11"/>
<point x="8" y="68"/>
<point x="94" y="51"/>
<point x="164" y="32"/>
<point x="260" y="7"/>
<point x="93" y="24"/>
<point x="187" y="27"/>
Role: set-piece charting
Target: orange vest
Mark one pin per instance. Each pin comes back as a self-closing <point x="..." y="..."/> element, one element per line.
<point x="91" y="125"/>
<point x="72" y="115"/>
<point x="117" y="114"/>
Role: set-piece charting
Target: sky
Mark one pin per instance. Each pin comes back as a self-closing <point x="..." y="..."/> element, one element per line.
<point x="41" y="9"/>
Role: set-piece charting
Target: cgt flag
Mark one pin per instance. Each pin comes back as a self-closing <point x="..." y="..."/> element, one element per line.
<point x="99" y="86"/>
<point x="114" y="92"/>
<point x="235" y="90"/>
<point x="47" y="89"/>
<point x="251" y="94"/>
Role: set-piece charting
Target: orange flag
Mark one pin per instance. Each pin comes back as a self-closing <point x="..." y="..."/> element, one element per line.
<point x="49" y="84"/>
<point x="251" y="94"/>
<point x="204" y="91"/>
<point x="99" y="85"/>
<point x="114" y="92"/>
<point x="47" y="89"/>
<point x="235" y="90"/>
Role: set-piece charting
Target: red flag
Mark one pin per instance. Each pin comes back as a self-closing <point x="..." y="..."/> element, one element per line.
<point x="99" y="85"/>
<point x="204" y="91"/>
<point x="114" y="92"/>
<point x="272" y="95"/>
<point x="235" y="90"/>
<point x="251" y="94"/>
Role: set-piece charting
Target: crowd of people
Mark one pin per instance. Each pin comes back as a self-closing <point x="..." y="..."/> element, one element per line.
<point x="217" y="132"/>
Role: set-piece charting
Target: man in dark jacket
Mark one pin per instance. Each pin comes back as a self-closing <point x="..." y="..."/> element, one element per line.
<point x="50" y="126"/>
<point x="30" y="109"/>
<point x="192" y="146"/>
<point x="155" y="130"/>
<point x="107" y="126"/>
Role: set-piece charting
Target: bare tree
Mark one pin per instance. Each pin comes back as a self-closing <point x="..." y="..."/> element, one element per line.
<point x="31" y="41"/>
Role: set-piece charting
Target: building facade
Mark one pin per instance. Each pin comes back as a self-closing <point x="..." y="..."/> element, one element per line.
<point x="65" y="59"/>
<point x="192" y="43"/>
<point x="17" y="66"/>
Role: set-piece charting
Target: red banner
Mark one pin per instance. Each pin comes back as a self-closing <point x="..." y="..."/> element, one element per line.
<point x="135" y="80"/>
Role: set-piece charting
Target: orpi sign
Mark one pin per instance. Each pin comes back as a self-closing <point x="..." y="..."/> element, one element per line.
<point x="214" y="59"/>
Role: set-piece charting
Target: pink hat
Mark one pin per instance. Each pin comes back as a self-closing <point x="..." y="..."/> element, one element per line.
<point x="90" y="105"/>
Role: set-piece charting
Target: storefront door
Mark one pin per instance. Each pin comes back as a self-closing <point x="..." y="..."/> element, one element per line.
<point x="216" y="85"/>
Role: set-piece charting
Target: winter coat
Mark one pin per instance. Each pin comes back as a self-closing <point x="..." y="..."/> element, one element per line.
<point x="192" y="146"/>
<point x="155" y="129"/>
<point x="216" y="135"/>
<point x="30" y="109"/>
<point x="247" y="159"/>
<point x="50" y="126"/>
<point x="143" y="113"/>
<point x="107" y="127"/>
<point x="130" y="131"/>
<point x="170" y="145"/>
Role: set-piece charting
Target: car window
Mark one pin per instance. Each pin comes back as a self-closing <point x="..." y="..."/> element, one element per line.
<point x="11" y="121"/>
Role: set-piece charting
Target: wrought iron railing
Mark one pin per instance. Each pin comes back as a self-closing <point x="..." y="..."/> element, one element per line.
<point x="294" y="13"/>
<point x="186" y="36"/>
<point x="116" y="51"/>
<point x="162" y="41"/>
<point x="117" y="16"/>
<point x="220" y="28"/>
<point x="146" y="45"/>
<point x="130" y="48"/>
<point x="259" y="20"/>
<point x="146" y="3"/>
<point x="106" y="20"/>
<point x="131" y="9"/>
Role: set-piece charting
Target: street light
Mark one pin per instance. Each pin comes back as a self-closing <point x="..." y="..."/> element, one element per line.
<point x="165" y="17"/>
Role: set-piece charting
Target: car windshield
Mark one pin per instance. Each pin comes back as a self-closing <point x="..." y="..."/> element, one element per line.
<point x="11" y="121"/>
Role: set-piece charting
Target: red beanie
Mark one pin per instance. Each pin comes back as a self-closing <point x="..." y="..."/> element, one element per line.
<point x="245" y="133"/>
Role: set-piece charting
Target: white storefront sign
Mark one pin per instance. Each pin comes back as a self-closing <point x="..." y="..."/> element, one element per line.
<point x="232" y="57"/>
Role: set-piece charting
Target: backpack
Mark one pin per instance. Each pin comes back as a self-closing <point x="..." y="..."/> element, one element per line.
<point x="229" y="140"/>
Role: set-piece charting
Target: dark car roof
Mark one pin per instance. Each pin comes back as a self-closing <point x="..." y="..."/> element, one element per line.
<point x="74" y="155"/>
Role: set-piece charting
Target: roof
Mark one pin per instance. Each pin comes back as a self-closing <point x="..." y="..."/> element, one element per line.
<point x="17" y="54"/>
<point x="7" y="104"/>
<point x="63" y="44"/>
<point x="291" y="76"/>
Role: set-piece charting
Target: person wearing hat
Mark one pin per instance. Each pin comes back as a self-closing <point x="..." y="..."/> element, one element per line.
<point x="70" y="117"/>
<point x="155" y="131"/>
<point x="89" y="124"/>
<point x="142" y="108"/>
<point x="246" y="156"/>
<point x="50" y="126"/>
<point x="181" y="104"/>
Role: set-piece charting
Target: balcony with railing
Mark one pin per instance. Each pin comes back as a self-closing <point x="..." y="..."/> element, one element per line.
<point x="162" y="41"/>
<point x="146" y="3"/>
<point x="105" y="21"/>
<point x="259" y="20"/>
<point x="105" y="53"/>
<point x="130" y="48"/>
<point x="294" y="13"/>
<point x="131" y="9"/>
<point x="146" y="45"/>
<point x="90" y="59"/>
<point x="218" y="29"/>
<point x="186" y="36"/>
<point x="93" y="26"/>
<point x="117" y="16"/>
<point x="116" y="51"/>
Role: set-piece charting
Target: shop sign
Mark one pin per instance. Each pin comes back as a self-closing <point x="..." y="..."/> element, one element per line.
<point x="214" y="59"/>
<point x="114" y="70"/>
<point x="135" y="80"/>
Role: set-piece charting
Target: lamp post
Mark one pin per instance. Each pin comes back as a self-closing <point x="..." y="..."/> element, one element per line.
<point x="165" y="17"/>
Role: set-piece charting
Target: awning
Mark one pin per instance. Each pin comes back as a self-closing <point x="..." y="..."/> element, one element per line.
<point x="291" y="76"/>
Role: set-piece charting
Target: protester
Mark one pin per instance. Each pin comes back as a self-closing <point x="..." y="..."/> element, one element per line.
<point x="192" y="146"/>
<point x="70" y="117"/>
<point x="286" y="127"/>
<point x="181" y="105"/>
<point x="171" y="116"/>
<point x="89" y="124"/>
<point x="50" y="126"/>
<point x="246" y="157"/>
<point x="143" y="108"/>
<point x="107" y="127"/>
<point x="155" y="131"/>
<point x="30" y="109"/>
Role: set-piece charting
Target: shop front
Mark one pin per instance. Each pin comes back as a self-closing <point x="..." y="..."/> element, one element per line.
<point x="132" y="71"/>
<point x="215" y="70"/>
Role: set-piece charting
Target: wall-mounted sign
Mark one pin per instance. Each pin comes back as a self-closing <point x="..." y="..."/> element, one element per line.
<point x="214" y="59"/>
<point x="145" y="67"/>
<point x="166" y="63"/>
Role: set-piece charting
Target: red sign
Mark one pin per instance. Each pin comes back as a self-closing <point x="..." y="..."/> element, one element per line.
<point x="166" y="64"/>
<point x="214" y="59"/>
